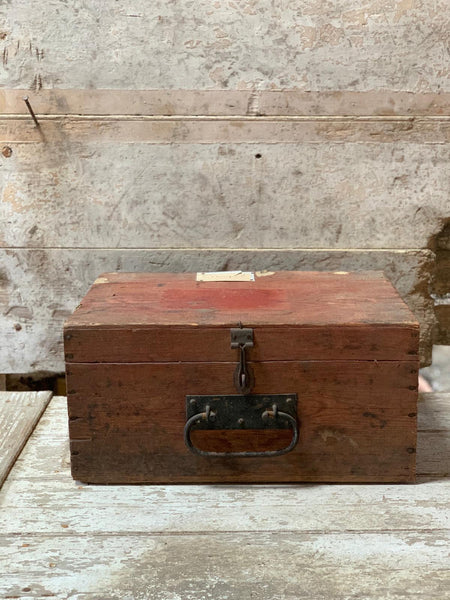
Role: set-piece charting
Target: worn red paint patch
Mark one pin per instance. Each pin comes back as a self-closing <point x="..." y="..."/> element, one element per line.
<point x="225" y="298"/>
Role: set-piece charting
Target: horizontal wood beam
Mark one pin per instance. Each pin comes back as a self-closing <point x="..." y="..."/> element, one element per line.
<point x="387" y="103"/>
<point x="209" y="130"/>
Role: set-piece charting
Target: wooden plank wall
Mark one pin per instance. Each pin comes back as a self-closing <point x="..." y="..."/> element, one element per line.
<point x="174" y="136"/>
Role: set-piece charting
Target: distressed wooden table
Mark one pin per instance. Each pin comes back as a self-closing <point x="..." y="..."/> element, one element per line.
<point x="62" y="539"/>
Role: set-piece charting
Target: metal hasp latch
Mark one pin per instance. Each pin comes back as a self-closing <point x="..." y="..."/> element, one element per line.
<point x="245" y="411"/>
<point x="242" y="338"/>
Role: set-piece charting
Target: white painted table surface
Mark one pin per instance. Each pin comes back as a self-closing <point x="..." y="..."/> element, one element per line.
<point x="62" y="539"/>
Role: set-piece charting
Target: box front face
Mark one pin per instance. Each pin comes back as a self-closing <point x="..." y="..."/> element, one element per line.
<point x="343" y="344"/>
<point x="357" y="422"/>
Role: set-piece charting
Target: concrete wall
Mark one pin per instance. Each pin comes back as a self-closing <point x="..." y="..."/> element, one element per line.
<point x="193" y="135"/>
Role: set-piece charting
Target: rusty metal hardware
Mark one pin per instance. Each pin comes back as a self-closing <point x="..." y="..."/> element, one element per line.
<point x="256" y="411"/>
<point x="242" y="338"/>
<point x="31" y="111"/>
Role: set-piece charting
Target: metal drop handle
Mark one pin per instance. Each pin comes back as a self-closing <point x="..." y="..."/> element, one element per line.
<point x="210" y="415"/>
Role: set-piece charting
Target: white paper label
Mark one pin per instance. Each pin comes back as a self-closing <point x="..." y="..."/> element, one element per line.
<point x="226" y="276"/>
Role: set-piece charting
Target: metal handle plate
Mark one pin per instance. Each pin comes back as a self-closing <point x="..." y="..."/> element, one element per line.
<point x="256" y="411"/>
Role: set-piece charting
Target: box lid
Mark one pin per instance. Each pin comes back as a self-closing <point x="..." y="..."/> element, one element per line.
<point x="297" y="315"/>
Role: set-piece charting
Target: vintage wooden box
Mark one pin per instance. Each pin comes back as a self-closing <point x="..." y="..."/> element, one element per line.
<point x="291" y="376"/>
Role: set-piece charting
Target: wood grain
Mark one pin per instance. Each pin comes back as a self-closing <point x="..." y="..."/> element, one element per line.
<point x="126" y="102"/>
<point x="285" y="298"/>
<point x="358" y="421"/>
<point x="335" y="193"/>
<point x="424" y="131"/>
<point x="321" y="542"/>
<point x="19" y="413"/>
<point x="127" y="418"/>
<point x="229" y="566"/>
<point x="149" y="344"/>
<point x="395" y="47"/>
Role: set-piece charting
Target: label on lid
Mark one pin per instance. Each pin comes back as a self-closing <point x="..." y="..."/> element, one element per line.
<point x="226" y="276"/>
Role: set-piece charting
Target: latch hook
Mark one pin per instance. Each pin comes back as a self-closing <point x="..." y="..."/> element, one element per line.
<point x="242" y="338"/>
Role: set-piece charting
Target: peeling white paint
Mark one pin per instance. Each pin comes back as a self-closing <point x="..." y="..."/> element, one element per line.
<point x="226" y="45"/>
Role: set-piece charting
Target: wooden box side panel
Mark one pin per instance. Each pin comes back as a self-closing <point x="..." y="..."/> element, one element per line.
<point x="358" y="422"/>
<point x="153" y="344"/>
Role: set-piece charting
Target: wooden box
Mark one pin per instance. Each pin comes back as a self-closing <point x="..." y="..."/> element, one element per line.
<point x="291" y="376"/>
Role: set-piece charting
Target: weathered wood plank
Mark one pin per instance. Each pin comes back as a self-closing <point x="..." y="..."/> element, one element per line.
<point x="241" y="45"/>
<point x="358" y="422"/>
<point x="230" y="566"/>
<point x="169" y="196"/>
<point x="46" y="507"/>
<point x="429" y="131"/>
<point x="123" y="102"/>
<point x="40" y="288"/>
<point x="19" y="413"/>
